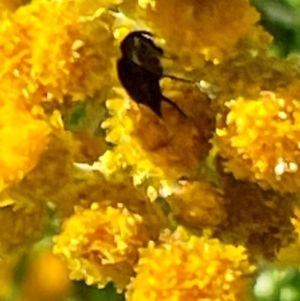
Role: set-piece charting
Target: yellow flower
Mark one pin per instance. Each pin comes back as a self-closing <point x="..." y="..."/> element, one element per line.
<point x="245" y="69"/>
<point x="56" y="178"/>
<point x="205" y="27"/>
<point x="259" y="141"/>
<point x="161" y="149"/>
<point x="189" y="269"/>
<point x="101" y="244"/>
<point x="51" y="179"/>
<point x="60" y="179"/>
<point x="197" y="205"/>
<point x="24" y="137"/>
<point x="199" y="109"/>
<point x="48" y="51"/>
<point x="23" y="222"/>
<point x="257" y="219"/>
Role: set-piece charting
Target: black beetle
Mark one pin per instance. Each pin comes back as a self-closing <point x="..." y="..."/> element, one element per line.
<point x="140" y="70"/>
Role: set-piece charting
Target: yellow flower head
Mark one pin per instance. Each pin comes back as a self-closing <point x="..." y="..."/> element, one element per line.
<point x="189" y="269"/>
<point x="197" y="205"/>
<point x="48" y="51"/>
<point x="24" y="136"/>
<point x="197" y="106"/>
<point x="154" y="148"/>
<point x="60" y="179"/>
<point x="51" y="179"/>
<point x="257" y="219"/>
<point x="23" y="222"/>
<point x="203" y="27"/>
<point x="101" y="245"/>
<point x="259" y="141"/>
<point x="245" y="69"/>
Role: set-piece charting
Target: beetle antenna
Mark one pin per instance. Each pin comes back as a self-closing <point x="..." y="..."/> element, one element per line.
<point x="172" y="103"/>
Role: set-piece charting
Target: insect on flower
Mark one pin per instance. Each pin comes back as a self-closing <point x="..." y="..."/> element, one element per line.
<point x="139" y="70"/>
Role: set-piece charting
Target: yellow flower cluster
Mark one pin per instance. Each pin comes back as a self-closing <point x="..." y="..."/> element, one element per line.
<point x="52" y="180"/>
<point x="198" y="205"/>
<point x="23" y="138"/>
<point x="244" y="70"/>
<point x="58" y="180"/>
<point x="257" y="219"/>
<point x="76" y="64"/>
<point x="32" y="73"/>
<point x="162" y="150"/>
<point x="205" y="170"/>
<point x="190" y="268"/>
<point x="199" y="109"/>
<point x="101" y="244"/>
<point x="260" y="141"/>
<point x="23" y="222"/>
<point x="209" y="28"/>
